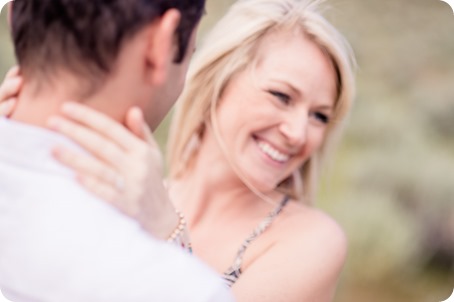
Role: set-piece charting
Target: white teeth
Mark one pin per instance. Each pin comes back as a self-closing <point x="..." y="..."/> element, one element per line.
<point x="273" y="153"/>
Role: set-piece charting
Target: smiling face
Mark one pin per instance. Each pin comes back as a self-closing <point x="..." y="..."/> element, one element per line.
<point x="273" y="117"/>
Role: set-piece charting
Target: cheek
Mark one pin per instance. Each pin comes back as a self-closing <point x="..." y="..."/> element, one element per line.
<point x="233" y="115"/>
<point x="315" y="139"/>
<point x="318" y="138"/>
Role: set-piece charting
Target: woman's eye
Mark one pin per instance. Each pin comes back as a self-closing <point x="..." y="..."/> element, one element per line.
<point x="284" y="98"/>
<point x="321" y="117"/>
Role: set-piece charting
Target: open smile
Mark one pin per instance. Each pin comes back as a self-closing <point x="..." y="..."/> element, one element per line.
<point x="272" y="152"/>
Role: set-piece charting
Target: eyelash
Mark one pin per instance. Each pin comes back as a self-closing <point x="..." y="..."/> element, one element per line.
<point x="322" y="117"/>
<point x="284" y="98"/>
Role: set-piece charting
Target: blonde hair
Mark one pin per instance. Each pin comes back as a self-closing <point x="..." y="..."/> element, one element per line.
<point x="230" y="48"/>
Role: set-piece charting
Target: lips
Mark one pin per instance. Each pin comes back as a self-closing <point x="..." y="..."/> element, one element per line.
<point x="272" y="152"/>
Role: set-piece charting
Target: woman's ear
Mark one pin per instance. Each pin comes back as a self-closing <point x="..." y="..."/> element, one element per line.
<point x="162" y="46"/>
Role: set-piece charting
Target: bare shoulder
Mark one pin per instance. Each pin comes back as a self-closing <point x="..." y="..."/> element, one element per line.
<point x="304" y="263"/>
<point x="302" y="226"/>
<point x="313" y="236"/>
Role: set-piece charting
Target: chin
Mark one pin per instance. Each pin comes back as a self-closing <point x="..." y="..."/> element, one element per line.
<point x="262" y="185"/>
<point x="258" y="179"/>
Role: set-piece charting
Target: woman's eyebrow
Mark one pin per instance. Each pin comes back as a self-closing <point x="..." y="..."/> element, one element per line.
<point x="290" y="85"/>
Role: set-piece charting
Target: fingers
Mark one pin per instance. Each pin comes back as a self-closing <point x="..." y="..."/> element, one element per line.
<point x="134" y="122"/>
<point x="110" y="194"/>
<point x="91" y="141"/>
<point x="100" y="189"/>
<point x="13" y="72"/>
<point x="10" y="88"/>
<point x="137" y="125"/>
<point x="115" y="174"/>
<point x="7" y="107"/>
<point x="93" y="174"/>
<point x="101" y="123"/>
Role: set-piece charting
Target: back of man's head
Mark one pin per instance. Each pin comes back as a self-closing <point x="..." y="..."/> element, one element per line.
<point x="84" y="37"/>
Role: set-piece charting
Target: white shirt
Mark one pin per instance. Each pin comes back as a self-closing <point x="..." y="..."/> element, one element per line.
<point x="58" y="243"/>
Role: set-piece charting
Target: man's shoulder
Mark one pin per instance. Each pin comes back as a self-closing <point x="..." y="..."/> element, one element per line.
<point x="76" y="245"/>
<point x="60" y="243"/>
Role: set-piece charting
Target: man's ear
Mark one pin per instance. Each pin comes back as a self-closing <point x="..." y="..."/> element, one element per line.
<point x="162" y="46"/>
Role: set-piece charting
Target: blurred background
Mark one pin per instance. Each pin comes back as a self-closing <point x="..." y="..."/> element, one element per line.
<point x="391" y="185"/>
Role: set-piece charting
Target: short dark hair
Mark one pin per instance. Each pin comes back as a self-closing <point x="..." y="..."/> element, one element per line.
<point x="87" y="35"/>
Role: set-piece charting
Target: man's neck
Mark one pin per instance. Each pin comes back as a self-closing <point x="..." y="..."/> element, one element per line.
<point x="36" y="104"/>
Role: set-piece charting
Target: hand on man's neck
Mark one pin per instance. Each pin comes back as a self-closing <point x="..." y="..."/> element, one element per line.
<point x="37" y="102"/>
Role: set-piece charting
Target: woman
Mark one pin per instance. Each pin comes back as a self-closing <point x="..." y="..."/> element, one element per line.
<point x="265" y="98"/>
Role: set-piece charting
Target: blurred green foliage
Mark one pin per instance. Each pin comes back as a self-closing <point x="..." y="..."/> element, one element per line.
<point x="391" y="185"/>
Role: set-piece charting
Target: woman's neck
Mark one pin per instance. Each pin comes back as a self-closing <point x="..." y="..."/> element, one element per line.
<point x="211" y="189"/>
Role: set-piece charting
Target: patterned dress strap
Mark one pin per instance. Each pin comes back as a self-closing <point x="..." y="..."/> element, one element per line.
<point x="233" y="273"/>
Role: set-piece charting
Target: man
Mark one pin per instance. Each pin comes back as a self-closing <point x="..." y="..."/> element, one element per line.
<point x="57" y="242"/>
